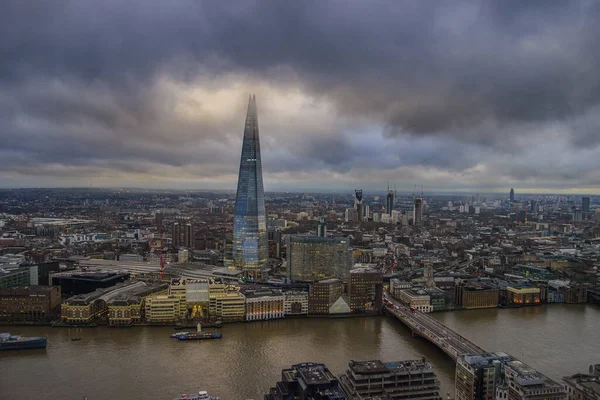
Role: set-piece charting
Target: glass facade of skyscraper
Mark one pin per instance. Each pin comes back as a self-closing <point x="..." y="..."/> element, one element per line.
<point x="250" y="249"/>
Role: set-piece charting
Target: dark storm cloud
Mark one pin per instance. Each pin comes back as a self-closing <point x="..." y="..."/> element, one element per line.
<point x="78" y="80"/>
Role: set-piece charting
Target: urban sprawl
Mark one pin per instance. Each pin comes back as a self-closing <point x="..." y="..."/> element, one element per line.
<point x="118" y="257"/>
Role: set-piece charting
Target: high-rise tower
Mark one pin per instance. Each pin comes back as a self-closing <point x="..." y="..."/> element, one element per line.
<point x="358" y="204"/>
<point x="511" y="196"/>
<point x="250" y="248"/>
<point x="390" y="199"/>
<point x="585" y="205"/>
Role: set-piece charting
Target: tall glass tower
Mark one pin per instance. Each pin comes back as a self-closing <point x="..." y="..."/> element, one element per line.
<point x="250" y="246"/>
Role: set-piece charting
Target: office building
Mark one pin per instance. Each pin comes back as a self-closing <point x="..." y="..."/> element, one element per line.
<point x="365" y="290"/>
<point x="351" y="215"/>
<point x="275" y="243"/>
<point x="474" y="295"/>
<point x="193" y="293"/>
<point x="523" y="296"/>
<point x="250" y="249"/>
<point x="264" y="304"/>
<point x="231" y="307"/>
<point x="437" y="298"/>
<point x="15" y="278"/>
<point x="574" y="294"/>
<point x="29" y="304"/>
<point x="410" y="380"/>
<point x="182" y="235"/>
<point x="184" y="256"/>
<point x="197" y="299"/>
<point x="396" y="217"/>
<point x="358" y="204"/>
<point x="584" y="386"/>
<point x="417" y="211"/>
<point x="165" y="309"/>
<point x="322" y="227"/>
<point x="313" y="258"/>
<point x="533" y="207"/>
<point x="295" y="303"/>
<point x="492" y="376"/>
<point x="476" y="376"/>
<point x="585" y="205"/>
<point x="306" y="381"/>
<point x="428" y="275"/>
<point x="417" y="299"/>
<point x="390" y="200"/>
<point x="39" y="274"/>
<point x="396" y="285"/>
<point x="511" y="196"/>
<point x="323" y="295"/>
<point x="227" y="304"/>
<point x="525" y="383"/>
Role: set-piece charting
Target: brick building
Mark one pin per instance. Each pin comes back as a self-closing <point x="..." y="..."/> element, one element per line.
<point x="29" y="304"/>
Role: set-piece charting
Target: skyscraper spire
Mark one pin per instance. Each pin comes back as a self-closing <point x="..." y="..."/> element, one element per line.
<point x="249" y="224"/>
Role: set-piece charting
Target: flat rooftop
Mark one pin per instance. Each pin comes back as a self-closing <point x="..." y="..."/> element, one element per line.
<point x="310" y="373"/>
<point x="527" y="376"/>
<point x="379" y="367"/>
<point x="93" y="276"/>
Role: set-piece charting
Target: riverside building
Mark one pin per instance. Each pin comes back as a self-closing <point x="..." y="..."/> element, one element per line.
<point x="264" y="304"/>
<point x="411" y="380"/>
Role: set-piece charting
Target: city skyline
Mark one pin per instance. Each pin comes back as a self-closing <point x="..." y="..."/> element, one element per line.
<point x="473" y="96"/>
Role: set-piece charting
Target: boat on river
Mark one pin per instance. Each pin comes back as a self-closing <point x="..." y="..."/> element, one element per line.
<point x="198" y="335"/>
<point x="16" y="342"/>
<point x="203" y="395"/>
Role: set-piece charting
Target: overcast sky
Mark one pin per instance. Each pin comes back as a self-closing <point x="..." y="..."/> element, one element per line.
<point x="453" y="95"/>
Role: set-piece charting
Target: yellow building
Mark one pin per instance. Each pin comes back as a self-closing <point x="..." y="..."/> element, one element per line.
<point x="178" y="288"/>
<point x="81" y="310"/>
<point x="479" y="297"/>
<point x="527" y="296"/>
<point x="164" y="309"/>
<point x="231" y="307"/>
<point x="226" y="303"/>
<point x="125" y="311"/>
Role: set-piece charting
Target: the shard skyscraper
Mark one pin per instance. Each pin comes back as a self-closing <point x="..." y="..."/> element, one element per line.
<point x="250" y="246"/>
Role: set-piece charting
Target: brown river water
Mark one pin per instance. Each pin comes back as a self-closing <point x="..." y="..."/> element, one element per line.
<point x="144" y="363"/>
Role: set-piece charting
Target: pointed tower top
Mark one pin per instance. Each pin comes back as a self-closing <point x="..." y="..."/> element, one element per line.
<point x="251" y="127"/>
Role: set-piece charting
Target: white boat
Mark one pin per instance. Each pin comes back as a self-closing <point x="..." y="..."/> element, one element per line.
<point x="202" y="395"/>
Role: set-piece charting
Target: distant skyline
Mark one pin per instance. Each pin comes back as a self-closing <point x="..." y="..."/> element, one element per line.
<point x="350" y="193"/>
<point x="467" y="96"/>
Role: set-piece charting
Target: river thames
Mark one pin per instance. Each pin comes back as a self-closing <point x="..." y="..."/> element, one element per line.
<point x="128" y="363"/>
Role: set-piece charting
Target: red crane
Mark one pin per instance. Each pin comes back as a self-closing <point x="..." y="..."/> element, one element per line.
<point x="161" y="256"/>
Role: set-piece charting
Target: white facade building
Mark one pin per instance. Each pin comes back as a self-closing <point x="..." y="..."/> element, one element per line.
<point x="295" y="303"/>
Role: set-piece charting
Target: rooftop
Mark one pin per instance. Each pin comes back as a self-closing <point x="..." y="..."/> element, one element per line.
<point x="93" y="276"/>
<point x="378" y="366"/>
<point x="527" y="376"/>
